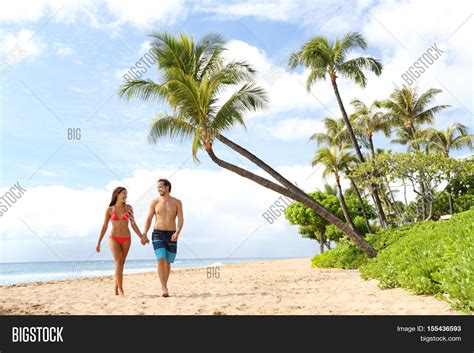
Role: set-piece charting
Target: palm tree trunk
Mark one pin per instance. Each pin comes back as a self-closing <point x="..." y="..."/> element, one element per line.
<point x="374" y="190"/>
<point x="307" y="201"/>
<point x="423" y="201"/>
<point x="342" y="201"/>
<point x="394" y="202"/>
<point x="378" y="204"/>
<point x="450" y="196"/>
<point x="366" y="218"/>
<point x="371" y="144"/>
<point x="321" y="243"/>
<point x="328" y="244"/>
<point x="450" y="200"/>
<point x="355" y="144"/>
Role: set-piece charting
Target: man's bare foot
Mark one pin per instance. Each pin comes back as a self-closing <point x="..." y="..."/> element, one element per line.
<point x="165" y="293"/>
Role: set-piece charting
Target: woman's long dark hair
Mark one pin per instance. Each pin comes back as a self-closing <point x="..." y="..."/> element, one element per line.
<point x="115" y="193"/>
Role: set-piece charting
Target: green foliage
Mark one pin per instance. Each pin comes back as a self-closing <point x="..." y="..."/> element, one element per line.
<point x="312" y="225"/>
<point x="348" y="256"/>
<point x="432" y="258"/>
<point x="435" y="258"/>
<point x="460" y="204"/>
<point x="344" y="255"/>
<point x="418" y="169"/>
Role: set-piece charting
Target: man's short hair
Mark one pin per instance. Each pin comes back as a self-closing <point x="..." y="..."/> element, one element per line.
<point x="166" y="182"/>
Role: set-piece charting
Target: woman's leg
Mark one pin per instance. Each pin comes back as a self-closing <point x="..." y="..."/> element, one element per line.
<point x="118" y="255"/>
<point x="125" y="249"/>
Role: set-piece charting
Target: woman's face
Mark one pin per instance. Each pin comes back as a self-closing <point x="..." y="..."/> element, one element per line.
<point x="122" y="196"/>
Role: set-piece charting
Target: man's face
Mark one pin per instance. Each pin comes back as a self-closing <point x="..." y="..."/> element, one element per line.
<point x="162" y="189"/>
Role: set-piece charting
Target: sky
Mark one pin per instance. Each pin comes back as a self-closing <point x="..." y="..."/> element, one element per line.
<point x="68" y="140"/>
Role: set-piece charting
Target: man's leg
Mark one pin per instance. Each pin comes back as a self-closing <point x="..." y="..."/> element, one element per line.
<point x="162" y="273"/>
<point x="168" y="270"/>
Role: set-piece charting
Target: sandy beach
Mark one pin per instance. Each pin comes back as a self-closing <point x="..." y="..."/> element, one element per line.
<point x="281" y="287"/>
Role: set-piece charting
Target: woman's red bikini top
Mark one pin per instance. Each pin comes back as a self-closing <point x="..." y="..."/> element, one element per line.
<point x="124" y="216"/>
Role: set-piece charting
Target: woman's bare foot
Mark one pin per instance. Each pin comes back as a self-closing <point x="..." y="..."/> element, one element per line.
<point x="165" y="292"/>
<point x="121" y="293"/>
<point x="116" y="290"/>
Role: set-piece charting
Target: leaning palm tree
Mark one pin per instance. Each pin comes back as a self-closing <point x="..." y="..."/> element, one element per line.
<point x="408" y="110"/>
<point x="335" y="162"/>
<point x="330" y="59"/>
<point x="455" y="137"/>
<point x="193" y="77"/>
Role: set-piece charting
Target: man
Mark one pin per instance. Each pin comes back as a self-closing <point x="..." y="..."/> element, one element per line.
<point x="165" y="233"/>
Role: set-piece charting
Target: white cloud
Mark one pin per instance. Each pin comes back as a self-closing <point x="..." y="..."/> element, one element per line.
<point x="23" y="44"/>
<point x="330" y="15"/>
<point x="24" y="10"/>
<point x="139" y="13"/>
<point x="146" y="13"/>
<point x="63" y="50"/>
<point x="286" y="89"/>
<point x="293" y="129"/>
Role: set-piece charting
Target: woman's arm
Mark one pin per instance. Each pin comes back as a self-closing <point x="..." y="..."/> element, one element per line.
<point x="104" y="228"/>
<point x="132" y="222"/>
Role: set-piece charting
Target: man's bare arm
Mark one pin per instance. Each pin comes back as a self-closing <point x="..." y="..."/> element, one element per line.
<point x="180" y="221"/>
<point x="149" y="218"/>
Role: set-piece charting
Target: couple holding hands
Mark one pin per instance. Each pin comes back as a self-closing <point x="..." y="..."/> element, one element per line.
<point x="166" y="209"/>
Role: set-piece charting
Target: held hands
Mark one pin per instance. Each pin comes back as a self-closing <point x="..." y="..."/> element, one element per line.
<point x="144" y="239"/>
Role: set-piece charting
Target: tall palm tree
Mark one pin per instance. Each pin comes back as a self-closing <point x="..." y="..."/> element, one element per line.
<point x="324" y="59"/>
<point x="408" y="110"/>
<point x="335" y="133"/>
<point x="414" y="140"/>
<point x="192" y="79"/>
<point x="370" y="120"/>
<point x="455" y="137"/>
<point x="335" y="162"/>
<point x="330" y="59"/>
<point x="336" y="136"/>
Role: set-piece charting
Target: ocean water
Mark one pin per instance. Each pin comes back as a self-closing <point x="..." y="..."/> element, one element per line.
<point x="13" y="273"/>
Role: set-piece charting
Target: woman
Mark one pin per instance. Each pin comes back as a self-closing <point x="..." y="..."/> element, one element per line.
<point x="120" y="213"/>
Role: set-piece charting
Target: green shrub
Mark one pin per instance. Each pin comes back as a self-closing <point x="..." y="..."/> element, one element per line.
<point x="347" y="255"/>
<point x="344" y="255"/>
<point x="435" y="257"/>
